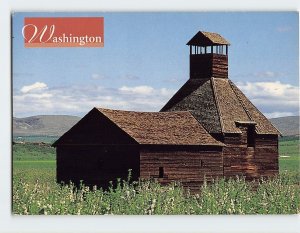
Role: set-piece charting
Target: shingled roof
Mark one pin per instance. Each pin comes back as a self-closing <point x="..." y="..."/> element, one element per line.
<point x="179" y="128"/>
<point x="218" y="105"/>
<point x="207" y="39"/>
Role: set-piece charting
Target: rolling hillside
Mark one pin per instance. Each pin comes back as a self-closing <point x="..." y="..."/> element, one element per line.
<point x="288" y="126"/>
<point x="56" y="125"/>
<point x="50" y="125"/>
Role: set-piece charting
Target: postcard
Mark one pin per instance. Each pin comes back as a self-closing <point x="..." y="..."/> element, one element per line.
<point x="155" y="113"/>
<point x="117" y="121"/>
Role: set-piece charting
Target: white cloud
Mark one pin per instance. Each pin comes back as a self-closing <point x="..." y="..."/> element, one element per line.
<point x="271" y="89"/>
<point x="166" y="92"/>
<point x="31" y="96"/>
<point x="146" y="90"/>
<point x="76" y="100"/>
<point x="38" y="86"/>
<point x="278" y="114"/>
<point x="273" y="98"/>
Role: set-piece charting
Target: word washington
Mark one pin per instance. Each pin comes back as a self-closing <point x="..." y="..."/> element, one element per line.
<point x="46" y="35"/>
<point x="81" y="40"/>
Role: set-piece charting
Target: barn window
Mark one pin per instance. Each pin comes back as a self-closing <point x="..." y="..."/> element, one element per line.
<point x="161" y="172"/>
<point x="248" y="129"/>
<point x="251" y="136"/>
<point x="201" y="163"/>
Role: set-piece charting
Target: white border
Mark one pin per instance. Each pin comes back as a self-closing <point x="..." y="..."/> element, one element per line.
<point x="132" y="224"/>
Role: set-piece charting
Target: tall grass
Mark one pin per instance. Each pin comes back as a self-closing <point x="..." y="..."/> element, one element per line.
<point x="36" y="192"/>
<point x="280" y="195"/>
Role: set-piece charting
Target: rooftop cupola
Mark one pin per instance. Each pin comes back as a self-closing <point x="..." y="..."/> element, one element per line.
<point x="208" y="56"/>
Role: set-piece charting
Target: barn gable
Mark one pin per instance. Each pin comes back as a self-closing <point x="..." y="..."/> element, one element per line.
<point x="207" y="39"/>
<point x="95" y="129"/>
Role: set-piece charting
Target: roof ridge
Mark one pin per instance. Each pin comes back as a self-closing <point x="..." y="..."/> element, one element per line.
<point x="202" y="38"/>
<point x="231" y="84"/>
<point x="217" y="104"/>
<point x="116" y="124"/>
<point x="129" y="111"/>
<point x="241" y="102"/>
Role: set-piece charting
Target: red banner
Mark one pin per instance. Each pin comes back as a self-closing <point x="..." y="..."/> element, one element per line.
<point x="63" y="32"/>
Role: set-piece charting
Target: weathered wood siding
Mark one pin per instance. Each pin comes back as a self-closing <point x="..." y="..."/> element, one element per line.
<point x="251" y="162"/>
<point x="208" y="65"/>
<point x="266" y="154"/>
<point x="189" y="166"/>
<point x="96" y="165"/>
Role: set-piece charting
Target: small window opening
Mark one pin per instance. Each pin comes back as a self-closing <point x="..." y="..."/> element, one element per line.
<point x="161" y="172"/>
<point x="251" y="136"/>
<point x="201" y="163"/>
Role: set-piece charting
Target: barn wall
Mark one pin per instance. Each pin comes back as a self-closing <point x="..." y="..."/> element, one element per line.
<point x="208" y="65"/>
<point x="251" y="162"/>
<point x="188" y="166"/>
<point x="266" y="154"/>
<point x="96" y="165"/>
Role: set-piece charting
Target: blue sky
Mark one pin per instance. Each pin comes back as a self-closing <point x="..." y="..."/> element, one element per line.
<point x="145" y="61"/>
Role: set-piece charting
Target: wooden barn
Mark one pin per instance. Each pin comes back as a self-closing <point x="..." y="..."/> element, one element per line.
<point x="170" y="146"/>
<point x="207" y="129"/>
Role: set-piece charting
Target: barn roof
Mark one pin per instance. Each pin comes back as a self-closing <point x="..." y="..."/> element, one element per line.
<point x="207" y="39"/>
<point x="169" y="128"/>
<point x="218" y="105"/>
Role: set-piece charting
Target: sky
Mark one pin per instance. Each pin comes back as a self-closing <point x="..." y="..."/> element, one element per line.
<point x="145" y="60"/>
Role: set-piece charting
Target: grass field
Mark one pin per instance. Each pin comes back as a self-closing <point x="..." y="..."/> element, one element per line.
<point x="35" y="190"/>
<point x="289" y="155"/>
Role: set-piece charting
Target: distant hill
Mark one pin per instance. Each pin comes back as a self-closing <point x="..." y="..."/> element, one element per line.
<point x="56" y="125"/>
<point x="51" y="125"/>
<point x="288" y="126"/>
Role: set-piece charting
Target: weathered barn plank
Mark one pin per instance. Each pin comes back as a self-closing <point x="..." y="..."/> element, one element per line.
<point x="189" y="167"/>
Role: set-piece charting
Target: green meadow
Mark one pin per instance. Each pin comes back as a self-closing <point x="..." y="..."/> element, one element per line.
<point x="289" y="159"/>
